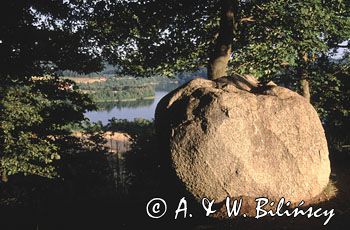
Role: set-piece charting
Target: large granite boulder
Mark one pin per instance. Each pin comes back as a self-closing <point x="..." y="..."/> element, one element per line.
<point x="233" y="137"/>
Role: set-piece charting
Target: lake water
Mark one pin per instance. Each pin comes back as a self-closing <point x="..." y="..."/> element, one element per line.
<point x="126" y="110"/>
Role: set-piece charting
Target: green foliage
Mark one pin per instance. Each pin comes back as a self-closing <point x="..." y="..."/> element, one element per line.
<point x="122" y="89"/>
<point x="134" y="128"/>
<point x="288" y="34"/>
<point x="22" y="148"/>
<point x="39" y="37"/>
<point x="275" y="39"/>
<point x="119" y="89"/>
<point x="107" y="71"/>
<point x="148" y="37"/>
<point x="33" y="119"/>
<point x="331" y="93"/>
<point x="83" y="161"/>
<point x="174" y="36"/>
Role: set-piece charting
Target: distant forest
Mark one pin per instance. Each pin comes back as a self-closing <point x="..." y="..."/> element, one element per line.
<point x="112" y="87"/>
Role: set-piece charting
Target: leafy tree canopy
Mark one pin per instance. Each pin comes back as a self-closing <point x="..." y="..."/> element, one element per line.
<point x="38" y="37"/>
<point x="283" y="34"/>
<point x="155" y="36"/>
<point x="169" y="36"/>
<point x="33" y="122"/>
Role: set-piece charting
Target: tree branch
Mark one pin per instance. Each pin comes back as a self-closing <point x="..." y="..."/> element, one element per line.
<point x="248" y="19"/>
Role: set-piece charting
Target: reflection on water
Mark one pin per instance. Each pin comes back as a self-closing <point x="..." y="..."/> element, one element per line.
<point x="108" y="106"/>
<point x="126" y="110"/>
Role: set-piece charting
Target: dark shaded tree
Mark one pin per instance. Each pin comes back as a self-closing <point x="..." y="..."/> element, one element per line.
<point x="165" y="36"/>
<point x="263" y="37"/>
<point x="36" y="39"/>
<point x="291" y="34"/>
<point x="39" y="37"/>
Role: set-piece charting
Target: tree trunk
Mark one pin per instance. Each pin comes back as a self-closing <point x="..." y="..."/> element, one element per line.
<point x="303" y="76"/>
<point x="4" y="177"/>
<point x="220" y="53"/>
<point x="304" y="83"/>
<point x="305" y="88"/>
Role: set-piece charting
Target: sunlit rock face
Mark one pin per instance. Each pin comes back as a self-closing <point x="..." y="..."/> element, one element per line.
<point x="233" y="137"/>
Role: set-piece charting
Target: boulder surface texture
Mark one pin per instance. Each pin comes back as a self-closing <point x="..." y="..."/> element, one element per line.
<point x="233" y="137"/>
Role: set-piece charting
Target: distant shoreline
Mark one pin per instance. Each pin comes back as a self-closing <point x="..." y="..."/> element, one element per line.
<point x="124" y="100"/>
